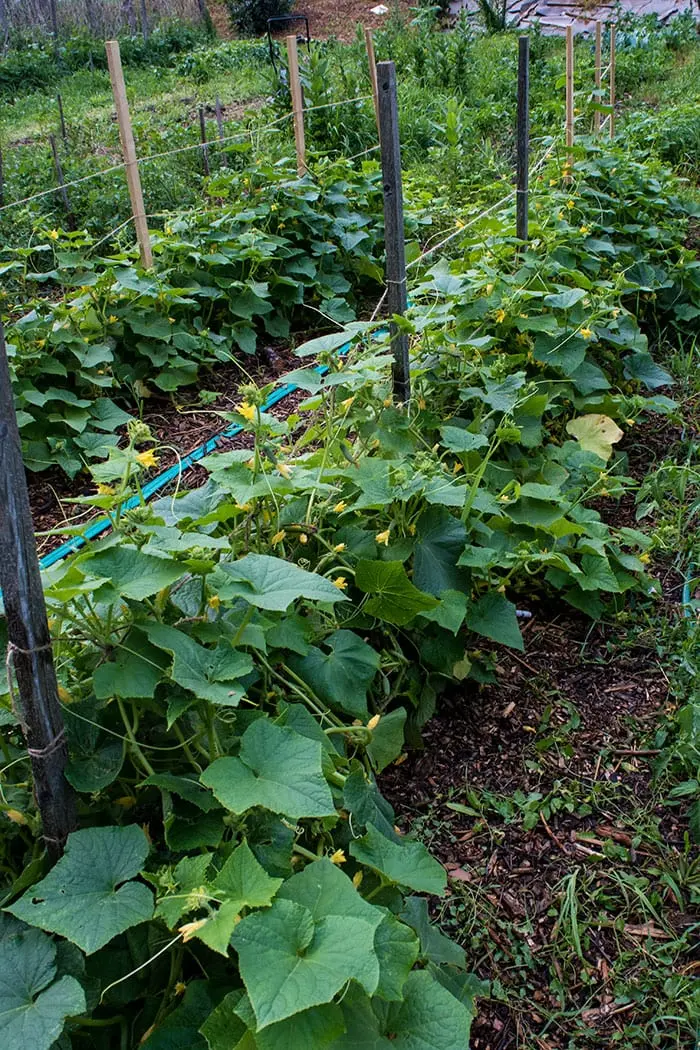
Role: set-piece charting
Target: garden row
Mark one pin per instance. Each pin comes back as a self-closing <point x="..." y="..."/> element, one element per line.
<point x="239" y="662"/>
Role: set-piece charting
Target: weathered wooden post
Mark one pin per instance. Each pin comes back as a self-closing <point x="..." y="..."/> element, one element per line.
<point x="203" y="139"/>
<point x="613" y="33"/>
<point x="521" y="198"/>
<point x="369" y="44"/>
<point x="598" y="77"/>
<point x="29" y="655"/>
<point x="393" y="223"/>
<point x="126" y="136"/>
<point x="569" y="93"/>
<point x="297" y="104"/>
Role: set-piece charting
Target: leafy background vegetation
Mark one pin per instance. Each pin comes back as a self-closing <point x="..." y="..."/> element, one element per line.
<point x="240" y="663"/>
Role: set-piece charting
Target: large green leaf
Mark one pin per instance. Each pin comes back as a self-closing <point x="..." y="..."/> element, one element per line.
<point x="362" y="798"/>
<point x="329" y="343"/>
<point x="494" y="617"/>
<point x="134" y="673"/>
<point x="394" y="598"/>
<point x="87" y="897"/>
<point x="642" y="366"/>
<point x="440" y="540"/>
<point x="312" y="1029"/>
<point x="566" y="299"/>
<point x="342" y="675"/>
<point x="387" y="739"/>
<point x="241" y="883"/>
<point x="132" y="573"/>
<point x="277" y="768"/>
<point x="405" y="863"/>
<point x="458" y="439"/>
<point x="34" y="1006"/>
<point x="209" y="673"/>
<point x="272" y="583"/>
<point x="430" y="1017"/>
<point x="396" y="946"/>
<point x="434" y="945"/>
<point x="318" y="934"/>
<point x="289" y="963"/>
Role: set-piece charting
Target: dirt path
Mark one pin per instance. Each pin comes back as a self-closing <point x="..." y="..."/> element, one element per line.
<point x="337" y="18"/>
<point x="536" y="793"/>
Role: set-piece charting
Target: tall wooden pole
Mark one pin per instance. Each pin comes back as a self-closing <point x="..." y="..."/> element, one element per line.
<point x="598" y="76"/>
<point x="203" y="139"/>
<point x="29" y="656"/>
<point x="569" y="93"/>
<point x="612" y="81"/>
<point x="521" y="200"/>
<point x="126" y="136"/>
<point x="369" y="44"/>
<point x="393" y="224"/>
<point x="297" y="104"/>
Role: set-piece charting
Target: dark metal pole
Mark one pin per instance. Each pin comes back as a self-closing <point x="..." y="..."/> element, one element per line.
<point x="393" y="223"/>
<point x="64" y="133"/>
<point x="521" y="225"/>
<point x="29" y="648"/>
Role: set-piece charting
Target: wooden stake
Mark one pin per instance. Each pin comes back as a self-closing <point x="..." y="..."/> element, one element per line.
<point x="369" y="44"/>
<point x="64" y="134"/>
<point x="612" y="81"/>
<point x="569" y="92"/>
<point x="60" y="179"/>
<point x="297" y="104"/>
<point x="220" y="130"/>
<point x="29" y="651"/>
<point x="203" y="138"/>
<point x="521" y="224"/>
<point x="393" y="224"/>
<point x="126" y="136"/>
<point x="598" y="77"/>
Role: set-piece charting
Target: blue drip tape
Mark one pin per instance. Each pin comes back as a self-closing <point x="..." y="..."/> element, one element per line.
<point x="150" y="489"/>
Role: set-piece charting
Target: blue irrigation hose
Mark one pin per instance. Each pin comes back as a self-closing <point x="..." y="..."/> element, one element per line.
<point x="156" y="484"/>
